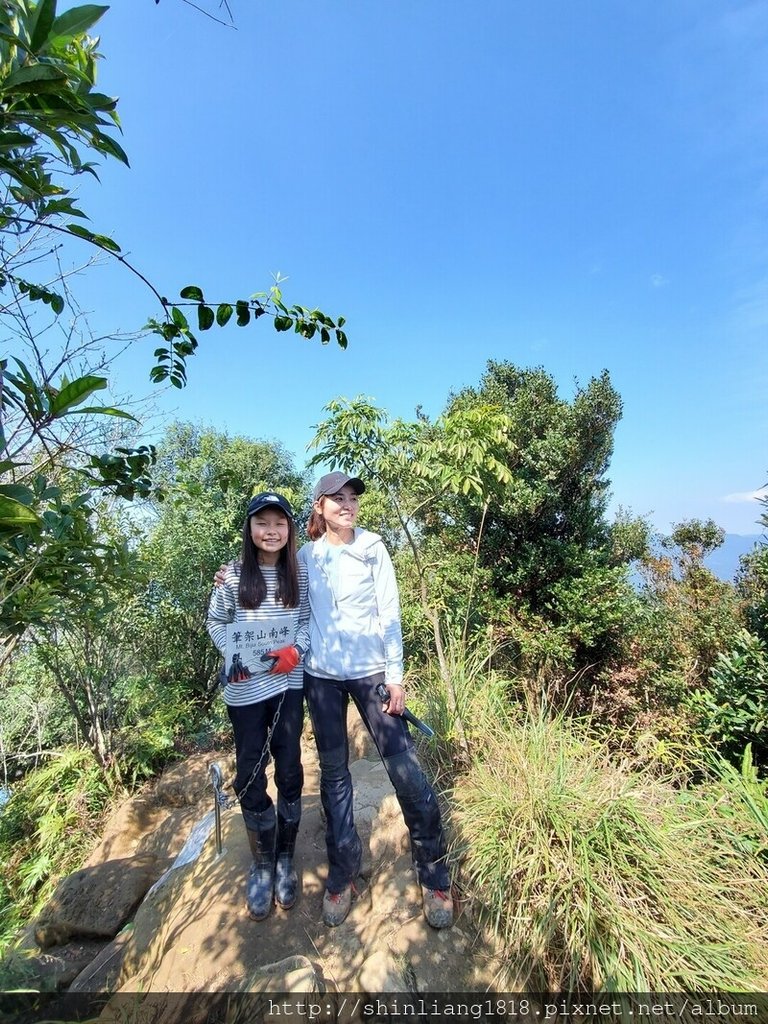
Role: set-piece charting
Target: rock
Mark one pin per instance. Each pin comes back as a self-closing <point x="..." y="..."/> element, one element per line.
<point x="50" y="971"/>
<point x="293" y="974"/>
<point x="389" y="835"/>
<point x="96" y="901"/>
<point x="141" y="949"/>
<point x="188" y="783"/>
<point x="361" y="744"/>
<point x="102" y="971"/>
<point x="382" y="973"/>
<point x="157" y="821"/>
<point x="396" y="894"/>
<point x="191" y="944"/>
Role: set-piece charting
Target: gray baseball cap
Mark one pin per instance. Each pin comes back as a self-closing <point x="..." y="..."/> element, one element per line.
<point x="333" y="482"/>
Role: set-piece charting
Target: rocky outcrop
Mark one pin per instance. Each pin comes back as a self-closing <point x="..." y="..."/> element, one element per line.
<point x="188" y="929"/>
<point x="95" y="902"/>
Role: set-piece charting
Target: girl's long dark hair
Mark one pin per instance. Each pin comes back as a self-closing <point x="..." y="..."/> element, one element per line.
<point x="253" y="588"/>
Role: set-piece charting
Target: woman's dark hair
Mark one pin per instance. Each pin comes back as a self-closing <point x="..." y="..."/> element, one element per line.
<point x="252" y="588"/>
<point x="316" y="525"/>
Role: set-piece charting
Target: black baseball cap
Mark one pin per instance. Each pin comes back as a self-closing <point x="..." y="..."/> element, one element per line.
<point x="267" y="498"/>
<point x="333" y="482"/>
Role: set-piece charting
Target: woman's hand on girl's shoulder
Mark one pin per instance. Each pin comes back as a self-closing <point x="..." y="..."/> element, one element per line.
<point x="221" y="575"/>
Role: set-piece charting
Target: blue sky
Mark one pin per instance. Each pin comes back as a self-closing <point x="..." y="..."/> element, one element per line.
<point x="575" y="186"/>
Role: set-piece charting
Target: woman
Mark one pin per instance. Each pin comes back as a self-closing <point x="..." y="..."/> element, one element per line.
<point x="355" y="645"/>
<point x="262" y="602"/>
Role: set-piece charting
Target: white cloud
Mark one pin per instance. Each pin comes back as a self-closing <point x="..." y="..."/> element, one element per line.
<point x="741" y="497"/>
<point x="658" y="281"/>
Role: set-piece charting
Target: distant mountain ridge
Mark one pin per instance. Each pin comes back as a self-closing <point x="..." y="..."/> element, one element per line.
<point x="724" y="562"/>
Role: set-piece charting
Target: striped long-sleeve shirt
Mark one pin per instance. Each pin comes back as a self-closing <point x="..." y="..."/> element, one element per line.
<point x="224" y="608"/>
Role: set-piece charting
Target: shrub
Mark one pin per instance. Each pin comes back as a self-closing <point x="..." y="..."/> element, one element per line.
<point x="732" y="708"/>
<point x="595" y="875"/>
<point x="48" y="823"/>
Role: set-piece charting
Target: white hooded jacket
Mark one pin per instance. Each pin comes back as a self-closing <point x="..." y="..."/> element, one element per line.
<point x="355" y="611"/>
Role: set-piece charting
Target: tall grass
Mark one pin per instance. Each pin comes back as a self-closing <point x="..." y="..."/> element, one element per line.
<point x="482" y="699"/>
<point x="597" y="875"/>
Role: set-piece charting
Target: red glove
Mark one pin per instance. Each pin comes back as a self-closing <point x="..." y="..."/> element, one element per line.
<point x="286" y="660"/>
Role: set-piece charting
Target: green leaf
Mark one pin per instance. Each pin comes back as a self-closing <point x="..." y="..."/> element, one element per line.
<point x="34" y="78"/>
<point x="106" y="144"/>
<point x="223" y="314"/>
<point x="243" y="313"/>
<point x="40" y="24"/>
<point x="179" y="319"/>
<point x="101" y="240"/>
<point x="283" y="323"/>
<point x="205" y="317"/>
<point x="15" y="140"/>
<point x="18" y="492"/>
<point x="100" y="101"/>
<point x="14" y="514"/>
<point x="105" y="410"/>
<point x="76" y="20"/>
<point x="76" y="392"/>
<point x="106" y="243"/>
<point x="14" y="40"/>
<point x="192" y="292"/>
<point x="61" y="206"/>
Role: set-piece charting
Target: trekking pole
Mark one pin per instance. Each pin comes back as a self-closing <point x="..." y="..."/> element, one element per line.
<point x="383" y="694"/>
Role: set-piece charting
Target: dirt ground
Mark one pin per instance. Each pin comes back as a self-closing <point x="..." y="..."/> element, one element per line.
<point x="190" y="932"/>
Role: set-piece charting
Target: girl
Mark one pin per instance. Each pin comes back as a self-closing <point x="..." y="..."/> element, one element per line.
<point x="262" y="603"/>
<point x="356" y="644"/>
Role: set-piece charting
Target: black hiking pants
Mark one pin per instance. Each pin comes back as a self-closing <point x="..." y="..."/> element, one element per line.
<point x="327" y="700"/>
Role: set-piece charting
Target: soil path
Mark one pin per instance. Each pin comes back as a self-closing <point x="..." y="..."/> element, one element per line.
<point x="191" y="933"/>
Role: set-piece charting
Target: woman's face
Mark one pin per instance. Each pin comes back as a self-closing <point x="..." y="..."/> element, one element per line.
<point x="339" y="510"/>
<point x="269" y="533"/>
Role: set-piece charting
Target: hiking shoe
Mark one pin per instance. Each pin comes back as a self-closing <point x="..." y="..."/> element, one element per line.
<point x="438" y="907"/>
<point x="336" y="906"/>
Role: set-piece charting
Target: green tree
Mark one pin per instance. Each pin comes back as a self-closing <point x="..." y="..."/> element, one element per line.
<point x="413" y="465"/>
<point x="80" y="646"/>
<point x="555" y="571"/>
<point x="731" y="708"/>
<point x="752" y="581"/>
<point x="207" y="478"/>
<point x="690" y="615"/>
<point x="501" y="509"/>
<point x="557" y="456"/>
<point x="53" y="125"/>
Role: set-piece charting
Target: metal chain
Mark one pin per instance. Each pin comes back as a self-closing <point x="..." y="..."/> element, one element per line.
<point x="264" y="752"/>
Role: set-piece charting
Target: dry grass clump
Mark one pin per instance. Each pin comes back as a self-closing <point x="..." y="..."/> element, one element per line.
<point x="599" y="876"/>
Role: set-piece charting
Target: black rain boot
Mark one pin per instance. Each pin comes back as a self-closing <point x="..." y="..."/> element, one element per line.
<point x="261" y="877"/>
<point x="286" y="878"/>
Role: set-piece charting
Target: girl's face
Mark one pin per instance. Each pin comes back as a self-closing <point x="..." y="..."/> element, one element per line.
<point x="340" y="509"/>
<point x="269" y="533"/>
